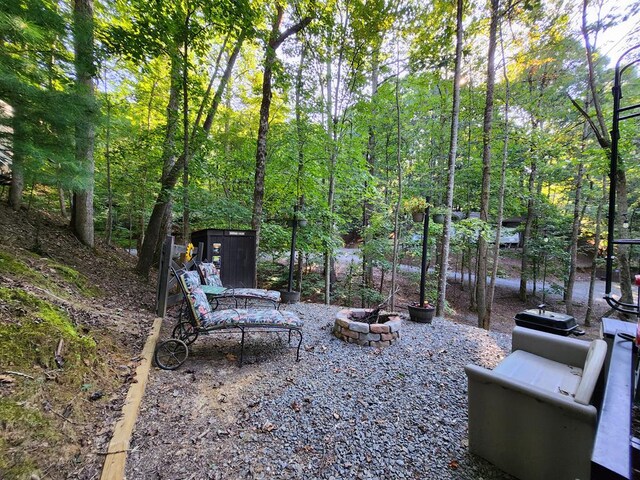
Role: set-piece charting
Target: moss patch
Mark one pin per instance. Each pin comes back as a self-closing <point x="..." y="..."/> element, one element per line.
<point x="57" y="278"/>
<point x="75" y="278"/>
<point x="23" y="428"/>
<point x="13" y="267"/>
<point x="30" y="330"/>
<point x="31" y="334"/>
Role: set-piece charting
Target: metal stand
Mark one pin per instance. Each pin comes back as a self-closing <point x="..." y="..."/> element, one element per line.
<point x="630" y="308"/>
<point x="425" y="242"/>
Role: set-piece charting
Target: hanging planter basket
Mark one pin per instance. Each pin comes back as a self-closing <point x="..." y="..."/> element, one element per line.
<point x="438" y="218"/>
<point x="418" y="216"/>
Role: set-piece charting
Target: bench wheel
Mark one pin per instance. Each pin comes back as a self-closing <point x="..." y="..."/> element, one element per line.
<point x="186" y="332"/>
<point x="170" y="354"/>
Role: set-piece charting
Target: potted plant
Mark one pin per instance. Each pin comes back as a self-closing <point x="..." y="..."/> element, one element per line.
<point x="416" y="207"/>
<point x="289" y="296"/>
<point x="438" y="215"/>
<point x="421" y="313"/>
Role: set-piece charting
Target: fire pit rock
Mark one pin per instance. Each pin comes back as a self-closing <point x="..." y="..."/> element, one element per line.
<point x="353" y="325"/>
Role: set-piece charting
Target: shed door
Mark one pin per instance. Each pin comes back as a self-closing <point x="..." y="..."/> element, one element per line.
<point x="238" y="261"/>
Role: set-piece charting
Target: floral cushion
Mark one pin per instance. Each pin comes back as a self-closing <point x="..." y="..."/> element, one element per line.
<point x="197" y="299"/>
<point x="265" y="318"/>
<point x="206" y="317"/>
<point x="191" y="280"/>
<point x="210" y="274"/>
<point x="254" y="292"/>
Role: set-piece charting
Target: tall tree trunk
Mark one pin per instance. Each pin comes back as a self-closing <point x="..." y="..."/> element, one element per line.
<point x="275" y="40"/>
<point x="301" y="140"/>
<point x="481" y="280"/>
<point x="396" y="212"/>
<point x="16" y="191"/>
<point x="263" y="128"/>
<point x="531" y="201"/>
<point x="331" y="150"/>
<point x="153" y="237"/>
<point x="217" y="98"/>
<point x="626" y="293"/>
<point x="328" y="256"/>
<point x="85" y="125"/>
<point x="573" y="242"/>
<point x="185" y="137"/>
<point x="107" y="156"/>
<point x="161" y="213"/>
<point x="503" y="170"/>
<point x="528" y="227"/>
<point x="594" y="261"/>
<point x="367" y="207"/>
<point x="453" y="148"/>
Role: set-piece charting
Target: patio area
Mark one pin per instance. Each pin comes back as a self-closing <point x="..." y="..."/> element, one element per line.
<point x="344" y="411"/>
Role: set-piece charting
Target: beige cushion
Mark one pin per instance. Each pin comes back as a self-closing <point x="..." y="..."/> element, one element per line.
<point x="542" y="373"/>
<point x="591" y="371"/>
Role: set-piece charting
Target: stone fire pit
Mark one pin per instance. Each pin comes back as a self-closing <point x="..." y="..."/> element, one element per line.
<point x="351" y="326"/>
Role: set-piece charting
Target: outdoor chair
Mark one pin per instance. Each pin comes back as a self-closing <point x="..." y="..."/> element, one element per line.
<point x="215" y="291"/>
<point x="171" y="353"/>
<point x="535" y="415"/>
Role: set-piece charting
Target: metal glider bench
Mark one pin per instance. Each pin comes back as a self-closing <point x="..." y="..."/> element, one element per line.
<point x="172" y="353"/>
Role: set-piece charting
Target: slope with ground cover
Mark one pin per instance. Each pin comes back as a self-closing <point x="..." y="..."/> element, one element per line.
<point x="72" y="323"/>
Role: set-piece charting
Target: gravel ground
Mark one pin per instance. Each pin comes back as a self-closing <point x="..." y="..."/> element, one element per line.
<point x="342" y="412"/>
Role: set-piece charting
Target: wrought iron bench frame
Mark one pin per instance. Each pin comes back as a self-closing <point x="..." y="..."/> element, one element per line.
<point x="203" y="320"/>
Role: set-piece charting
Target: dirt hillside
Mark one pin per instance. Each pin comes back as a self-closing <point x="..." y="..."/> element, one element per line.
<point x="72" y="322"/>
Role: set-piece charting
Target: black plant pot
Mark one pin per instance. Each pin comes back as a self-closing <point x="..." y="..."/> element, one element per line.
<point x="289" y="297"/>
<point x="421" y="314"/>
<point x="418" y="216"/>
<point x="438" y="218"/>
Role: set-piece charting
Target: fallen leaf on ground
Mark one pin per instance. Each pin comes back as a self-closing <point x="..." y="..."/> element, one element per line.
<point x="268" y="427"/>
<point x="6" y="379"/>
<point x="453" y="465"/>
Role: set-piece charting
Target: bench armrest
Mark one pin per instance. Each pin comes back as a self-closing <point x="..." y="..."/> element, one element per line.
<point x="569" y="351"/>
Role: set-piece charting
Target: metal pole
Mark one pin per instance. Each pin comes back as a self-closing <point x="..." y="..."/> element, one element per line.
<point x="544" y="278"/>
<point x="425" y="242"/>
<point x="613" y="170"/>
<point x="545" y="241"/>
<point x="294" y="231"/>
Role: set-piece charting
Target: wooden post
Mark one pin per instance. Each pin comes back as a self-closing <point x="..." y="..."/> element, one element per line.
<point x="163" y="276"/>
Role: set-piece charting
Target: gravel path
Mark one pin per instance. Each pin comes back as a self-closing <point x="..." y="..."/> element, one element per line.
<point x="342" y="412"/>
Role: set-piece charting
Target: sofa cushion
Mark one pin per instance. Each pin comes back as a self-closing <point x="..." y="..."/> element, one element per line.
<point x="541" y="373"/>
<point x="591" y="371"/>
